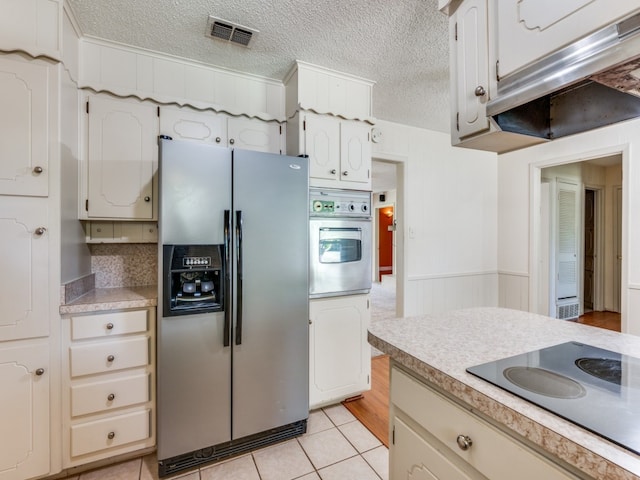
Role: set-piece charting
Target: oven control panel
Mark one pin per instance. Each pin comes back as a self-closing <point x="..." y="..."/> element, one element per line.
<point x="340" y="203"/>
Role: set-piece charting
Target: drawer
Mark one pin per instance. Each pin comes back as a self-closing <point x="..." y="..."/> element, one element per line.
<point x="493" y="453"/>
<point x="109" y="356"/>
<point x="107" y="324"/>
<point x="109" y="432"/>
<point x="100" y="396"/>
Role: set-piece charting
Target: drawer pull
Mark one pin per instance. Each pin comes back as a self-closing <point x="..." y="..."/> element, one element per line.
<point x="111" y="435"/>
<point x="111" y="397"/>
<point x="40" y="371"/>
<point x="110" y="358"/>
<point x="109" y="326"/>
<point x="464" y="442"/>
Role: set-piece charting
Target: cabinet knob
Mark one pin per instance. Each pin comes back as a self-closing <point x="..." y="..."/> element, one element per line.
<point x="464" y="442"/>
<point x="111" y="435"/>
<point x="147" y="199"/>
<point x="40" y="371"/>
<point x="37" y="170"/>
<point x="480" y="91"/>
<point x="110" y="358"/>
<point x="218" y="139"/>
<point x="40" y="231"/>
<point x="345" y="173"/>
<point x="109" y="326"/>
<point x="232" y="141"/>
<point x="111" y="397"/>
<point x="333" y="172"/>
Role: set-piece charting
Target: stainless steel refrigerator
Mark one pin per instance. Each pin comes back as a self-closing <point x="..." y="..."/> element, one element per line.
<point x="232" y="364"/>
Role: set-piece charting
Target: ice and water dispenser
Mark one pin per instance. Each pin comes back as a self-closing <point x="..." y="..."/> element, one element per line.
<point x="194" y="279"/>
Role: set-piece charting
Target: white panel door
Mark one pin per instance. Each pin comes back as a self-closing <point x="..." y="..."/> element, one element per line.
<point x="188" y="124"/>
<point x="24" y="258"/>
<point x="340" y="356"/>
<point x="24" y="411"/>
<point x="531" y="29"/>
<point x="24" y="156"/>
<point x="122" y="158"/>
<point x="355" y="153"/>
<point x="567" y="241"/>
<point x="254" y="134"/>
<point x="322" y="144"/>
<point x="471" y="53"/>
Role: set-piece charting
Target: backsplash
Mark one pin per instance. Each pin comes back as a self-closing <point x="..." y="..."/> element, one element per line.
<point x="124" y="264"/>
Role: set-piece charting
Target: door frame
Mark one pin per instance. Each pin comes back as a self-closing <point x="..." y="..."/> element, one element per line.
<point x="598" y="250"/>
<point x="399" y="219"/>
<point x="535" y="176"/>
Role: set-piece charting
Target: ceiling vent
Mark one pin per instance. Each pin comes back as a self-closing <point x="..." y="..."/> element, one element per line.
<point x="230" y="32"/>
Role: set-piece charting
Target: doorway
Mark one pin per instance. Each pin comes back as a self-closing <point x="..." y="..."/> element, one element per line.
<point x="388" y="264"/>
<point x="598" y="184"/>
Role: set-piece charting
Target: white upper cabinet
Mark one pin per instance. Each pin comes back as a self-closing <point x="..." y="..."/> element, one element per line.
<point x="24" y="127"/>
<point x="254" y="134"/>
<point x="528" y="30"/>
<point x="185" y="123"/>
<point x="33" y="26"/>
<point x="24" y="259"/>
<point x="470" y="61"/>
<point x="339" y="152"/>
<point x="322" y="146"/>
<point x="122" y="158"/>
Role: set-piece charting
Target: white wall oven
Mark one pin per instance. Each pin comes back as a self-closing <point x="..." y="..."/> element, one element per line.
<point x="340" y="235"/>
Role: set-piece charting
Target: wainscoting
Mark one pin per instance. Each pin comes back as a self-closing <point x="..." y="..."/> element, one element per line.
<point x="435" y="294"/>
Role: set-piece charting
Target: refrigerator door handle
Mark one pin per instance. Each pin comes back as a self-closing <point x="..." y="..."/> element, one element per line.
<point x="239" y="277"/>
<point x="227" y="279"/>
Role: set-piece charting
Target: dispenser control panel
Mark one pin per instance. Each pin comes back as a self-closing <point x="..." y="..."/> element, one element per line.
<point x="196" y="261"/>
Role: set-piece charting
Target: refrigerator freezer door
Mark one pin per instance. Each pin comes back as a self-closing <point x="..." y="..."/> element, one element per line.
<point x="271" y="363"/>
<point x="195" y="190"/>
<point x="194" y="384"/>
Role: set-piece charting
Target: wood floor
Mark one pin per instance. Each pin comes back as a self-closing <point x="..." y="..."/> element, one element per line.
<point x="372" y="409"/>
<point x="608" y="320"/>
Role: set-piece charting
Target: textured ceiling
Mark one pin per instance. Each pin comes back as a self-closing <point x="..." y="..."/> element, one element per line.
<point x="402" y="45"/>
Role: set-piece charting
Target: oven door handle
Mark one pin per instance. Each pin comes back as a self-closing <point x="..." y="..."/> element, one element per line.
<point x="239" y="277"/>
<point x="227" y="279"/>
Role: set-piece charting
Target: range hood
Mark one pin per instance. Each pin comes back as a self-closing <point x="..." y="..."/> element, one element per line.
<point x="589" y="84"/>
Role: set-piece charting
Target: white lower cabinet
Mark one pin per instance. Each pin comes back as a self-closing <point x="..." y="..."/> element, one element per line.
<point x="340" y="357"/>
<point x="109" y="384"/>
<point x="435" y="438"/>
<point x="24" y="409"/>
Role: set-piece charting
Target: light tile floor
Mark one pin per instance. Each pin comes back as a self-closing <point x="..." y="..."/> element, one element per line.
<point x="336" y="447"/>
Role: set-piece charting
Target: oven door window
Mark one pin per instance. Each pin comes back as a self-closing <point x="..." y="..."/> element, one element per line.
<point x="340" y="245"/>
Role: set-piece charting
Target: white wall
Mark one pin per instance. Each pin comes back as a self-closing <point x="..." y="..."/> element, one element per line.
<point x="518" y="198"/>
<point x="450" y="219"/>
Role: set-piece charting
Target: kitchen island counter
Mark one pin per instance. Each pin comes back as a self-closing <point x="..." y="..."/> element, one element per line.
<point x="438" y="348"/>
<point x="100" y="299"/>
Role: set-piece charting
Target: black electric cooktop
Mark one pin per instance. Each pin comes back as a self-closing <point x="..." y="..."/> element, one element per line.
<point x="595" y="388"/>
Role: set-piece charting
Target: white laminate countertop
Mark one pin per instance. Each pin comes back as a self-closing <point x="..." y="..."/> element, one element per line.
<point x="440" y="347"/>
<point x="112" y="299"/>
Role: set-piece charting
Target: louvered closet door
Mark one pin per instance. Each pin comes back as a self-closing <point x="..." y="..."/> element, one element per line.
<point x="567" y="241"/>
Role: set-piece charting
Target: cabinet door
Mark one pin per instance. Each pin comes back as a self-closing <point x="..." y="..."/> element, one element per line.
<point x="322" y="144"/>
<point x="254" y="134"/>
<point x="24" y="253"/>
<point x="187" y="124"/>
<point x="531" y="29"/>
<point x="469" y="26"/>
<point x="340" y="357"/>
<point x="122" y="158"/>
<point x="355" y="152"/>
<point x="413" y="458"/>
<point x="24" y="411"/>
<point x="24" y="96"/>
